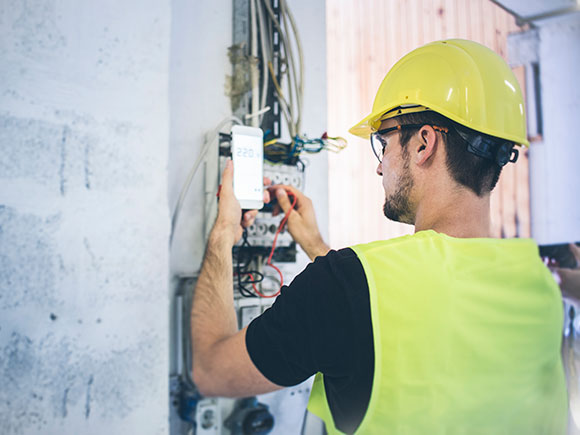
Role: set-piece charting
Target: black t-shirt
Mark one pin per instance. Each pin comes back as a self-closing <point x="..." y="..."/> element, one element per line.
<point x="321" y="322"/>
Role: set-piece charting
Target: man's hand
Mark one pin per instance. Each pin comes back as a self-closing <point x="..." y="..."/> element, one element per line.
<point x="229" y="219"/>
<point x="301" y="221"/>
<point x="570" y="278"/>
<point x="221" y="363"/>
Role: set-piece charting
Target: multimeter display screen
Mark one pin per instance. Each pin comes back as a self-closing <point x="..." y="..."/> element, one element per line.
<point x="248" y="156"/>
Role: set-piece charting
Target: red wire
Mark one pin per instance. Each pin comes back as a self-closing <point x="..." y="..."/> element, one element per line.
<point x="269" y="262"/>
<point x="262" y="295"/>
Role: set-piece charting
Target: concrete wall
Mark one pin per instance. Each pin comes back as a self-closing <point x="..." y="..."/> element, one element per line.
<point x="84" y="129"/>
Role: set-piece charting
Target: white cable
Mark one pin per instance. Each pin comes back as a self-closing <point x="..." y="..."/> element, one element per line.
<point x="290" y="62"/>
<point x="258" y="113"/>
<point x="296" y="80"/>
<point x="265" y="75"/>
<point x="299" y="79"/>
<point x="254" y="76"/>
<point x="290" y="70"/>
<point x="210" y="139"/>
<point x="284" y="43"/>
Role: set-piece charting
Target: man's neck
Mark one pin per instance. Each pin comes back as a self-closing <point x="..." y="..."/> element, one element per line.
<point x="461" y="214"/>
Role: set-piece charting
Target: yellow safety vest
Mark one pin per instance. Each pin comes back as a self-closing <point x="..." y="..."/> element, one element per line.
<point x="467" y="336"/>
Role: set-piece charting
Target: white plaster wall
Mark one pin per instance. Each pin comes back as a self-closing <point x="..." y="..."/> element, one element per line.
<point x="555" y="162"/>
<point x="84" y="129"/>
<point x="201" y="32"/>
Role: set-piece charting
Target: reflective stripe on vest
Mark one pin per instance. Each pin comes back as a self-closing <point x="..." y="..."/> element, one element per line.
<point x="467" y="336"/>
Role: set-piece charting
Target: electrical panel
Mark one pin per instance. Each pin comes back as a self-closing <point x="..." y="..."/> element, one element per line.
<point x="266" y="91"/>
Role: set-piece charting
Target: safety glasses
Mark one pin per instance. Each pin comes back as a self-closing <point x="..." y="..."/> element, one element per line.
<point x="379" y="143"/>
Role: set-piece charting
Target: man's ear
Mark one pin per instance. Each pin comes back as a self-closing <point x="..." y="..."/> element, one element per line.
<point x="426" y="146"/>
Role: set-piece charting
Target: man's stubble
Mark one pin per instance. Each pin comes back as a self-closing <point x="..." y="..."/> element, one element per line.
<point x="397" y="206"/>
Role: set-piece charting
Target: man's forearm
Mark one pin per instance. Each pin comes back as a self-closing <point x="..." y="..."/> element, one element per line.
<point x="213" y="317"/>
<point x="316" y="248"/>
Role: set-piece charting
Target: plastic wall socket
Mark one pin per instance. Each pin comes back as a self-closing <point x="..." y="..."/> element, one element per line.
<point x="208" y="417"/>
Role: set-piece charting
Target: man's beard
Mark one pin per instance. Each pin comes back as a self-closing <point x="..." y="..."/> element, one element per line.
<point x="397" y="206"/>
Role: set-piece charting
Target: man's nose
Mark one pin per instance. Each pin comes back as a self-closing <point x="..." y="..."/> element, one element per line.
<point x="380" y="169"/>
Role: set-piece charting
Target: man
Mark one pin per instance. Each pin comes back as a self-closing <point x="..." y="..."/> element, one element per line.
<point x="444" y="331"/>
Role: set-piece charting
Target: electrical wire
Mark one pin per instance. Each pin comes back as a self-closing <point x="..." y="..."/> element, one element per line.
<point x="288" y="153"/>
<point x="241" y="270"/>
<point x="295" y="89"/>
<point x="281" y="100"/>
<point x="299" y="47"/>
<point x="265" y="54"/>
<point x="185" y="188"/>
<point x="254" y="75"/>
<point x="297" y="78"/>
<point x="269" y="262"/>
<point x="293" y="85"/>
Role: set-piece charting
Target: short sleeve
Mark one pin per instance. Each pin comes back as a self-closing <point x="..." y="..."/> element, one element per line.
<point x="311" y="326"/>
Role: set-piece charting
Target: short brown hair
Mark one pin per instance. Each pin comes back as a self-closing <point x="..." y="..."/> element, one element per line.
<point x="478" y="174"/>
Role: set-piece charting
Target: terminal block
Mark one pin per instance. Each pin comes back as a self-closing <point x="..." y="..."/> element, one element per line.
<point x="284" y="174"/>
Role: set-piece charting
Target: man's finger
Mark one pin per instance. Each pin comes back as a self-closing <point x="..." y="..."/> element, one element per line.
<point x="250" y="214"/>
<point x="283" y="199"/>
<point x="228" y="177"/>
<point x="249" y="218"/>
<point x="575" y="250"/>
<point x="291" y="189"/>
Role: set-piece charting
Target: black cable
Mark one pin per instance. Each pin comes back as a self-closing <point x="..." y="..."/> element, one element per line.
<point x="300" y="165"/>
<point x="241" y="270"/>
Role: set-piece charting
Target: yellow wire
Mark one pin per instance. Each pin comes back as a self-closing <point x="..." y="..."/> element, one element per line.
<point x="275" y="80"/>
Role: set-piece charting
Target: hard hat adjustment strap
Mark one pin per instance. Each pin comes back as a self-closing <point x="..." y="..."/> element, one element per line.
<point x="487" y="147"/>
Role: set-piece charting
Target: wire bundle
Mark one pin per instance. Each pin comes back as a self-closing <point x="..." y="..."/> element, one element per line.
<point x="289" y="153"/>
<point x="243" y="275"/>
<point x="274" y="68"/>
<point x="277" y="70"/>
<point x="246" y="248"/>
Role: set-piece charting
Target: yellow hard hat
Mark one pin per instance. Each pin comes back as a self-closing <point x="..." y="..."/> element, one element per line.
<point x="462" y="80"/>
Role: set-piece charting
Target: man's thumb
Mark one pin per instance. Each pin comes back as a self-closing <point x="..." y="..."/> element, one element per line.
<point x="283" y="199"/>
<point x="228" y="175"/>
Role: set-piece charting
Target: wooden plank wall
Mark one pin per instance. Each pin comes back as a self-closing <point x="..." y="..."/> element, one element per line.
<point x="364" y="39"/>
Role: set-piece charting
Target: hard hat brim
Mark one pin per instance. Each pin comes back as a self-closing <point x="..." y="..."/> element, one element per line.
<point x="371" y="123"/>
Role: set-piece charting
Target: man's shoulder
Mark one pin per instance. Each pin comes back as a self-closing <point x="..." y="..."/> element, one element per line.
<point x="340" y="268"/>
<point x="336" y="262"/>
